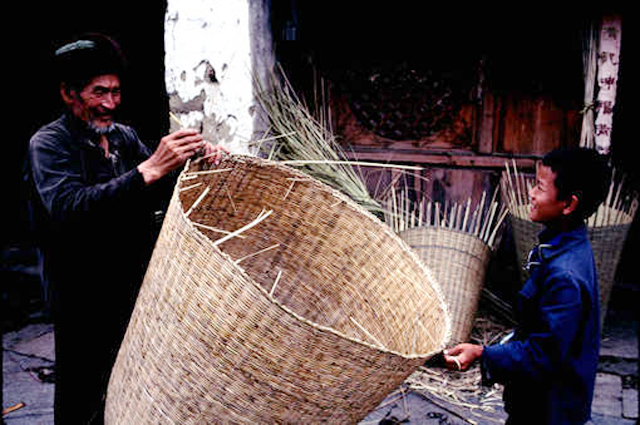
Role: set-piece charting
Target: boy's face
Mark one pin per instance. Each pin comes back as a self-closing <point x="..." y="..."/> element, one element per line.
<point x="545" y="206"/>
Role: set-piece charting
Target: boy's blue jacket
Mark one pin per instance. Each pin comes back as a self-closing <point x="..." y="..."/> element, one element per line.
<point x="549" y="367"/>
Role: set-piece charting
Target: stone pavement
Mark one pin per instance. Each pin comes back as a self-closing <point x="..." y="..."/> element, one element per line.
<point x="28" y="362"/>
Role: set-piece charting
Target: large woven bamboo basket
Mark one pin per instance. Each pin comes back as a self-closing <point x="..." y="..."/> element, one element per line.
<point x="314" y="313"/>
<point x="607" y="243"/>
<point x="459" y="262"/>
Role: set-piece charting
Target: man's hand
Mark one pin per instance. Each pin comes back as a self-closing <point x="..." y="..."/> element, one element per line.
<point x="462" y="356"/>
<point x="213" y="153"/>
<point x="172" y="152"/>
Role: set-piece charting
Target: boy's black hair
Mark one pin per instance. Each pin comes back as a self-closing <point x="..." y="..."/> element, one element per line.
<point x="582" y="172"/>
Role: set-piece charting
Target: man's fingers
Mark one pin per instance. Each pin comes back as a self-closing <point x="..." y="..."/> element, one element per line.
<point x="190" y="147"/>
<point x="183" y="132"/>
<point x="186" y="142"/>
<point x="181" y="137"/>
<point x="213" y="153"/>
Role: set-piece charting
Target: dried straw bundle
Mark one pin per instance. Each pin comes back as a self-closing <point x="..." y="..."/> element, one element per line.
<point x="455" y="242"/>
<point x="300" y="139"/>
<point x="305" y="140"/>
<point x="271" y="297"/>
<point x="608" y="226"/>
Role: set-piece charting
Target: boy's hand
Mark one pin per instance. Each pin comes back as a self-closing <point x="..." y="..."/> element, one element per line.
<point x="462" y="356"/>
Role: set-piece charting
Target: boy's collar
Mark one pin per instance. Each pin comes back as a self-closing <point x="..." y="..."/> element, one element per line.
<point x="554" y="242"/>
<point x="549" y="233"/>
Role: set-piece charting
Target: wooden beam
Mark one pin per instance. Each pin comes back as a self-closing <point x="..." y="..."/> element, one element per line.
<point x="452" y="159"/>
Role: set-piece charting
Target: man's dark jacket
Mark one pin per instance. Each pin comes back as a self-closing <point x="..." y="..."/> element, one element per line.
<point x="97" y="222"/>
<point x="549" y="368"/>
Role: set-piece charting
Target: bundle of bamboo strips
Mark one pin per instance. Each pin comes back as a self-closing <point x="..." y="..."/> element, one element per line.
<point x="515" y="188"/>
<point x="304" y="139"/>
<point x="300" y="139"/>
<point x="590" y="70"/>
<point x="619" y="207"/>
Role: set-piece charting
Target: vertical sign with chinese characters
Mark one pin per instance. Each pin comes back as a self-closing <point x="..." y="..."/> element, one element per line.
<point x="608" y="64"/>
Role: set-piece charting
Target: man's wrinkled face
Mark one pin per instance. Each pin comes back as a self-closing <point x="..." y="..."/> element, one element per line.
<point x="97" y="103"/>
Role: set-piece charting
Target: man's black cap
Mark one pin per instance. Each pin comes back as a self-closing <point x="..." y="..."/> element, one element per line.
<point x="86" y="57"/>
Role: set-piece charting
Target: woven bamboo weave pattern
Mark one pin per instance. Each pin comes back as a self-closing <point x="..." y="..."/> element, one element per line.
<point x="315" y="313"/>
<point x="607" y="243"/>
<point x="459" y="262"/>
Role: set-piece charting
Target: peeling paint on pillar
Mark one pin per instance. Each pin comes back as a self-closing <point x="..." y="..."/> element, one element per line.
<point x="209" y="68"/>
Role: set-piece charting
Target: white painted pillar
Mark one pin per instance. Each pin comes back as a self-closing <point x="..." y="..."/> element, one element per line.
<point x="213" y="50"/>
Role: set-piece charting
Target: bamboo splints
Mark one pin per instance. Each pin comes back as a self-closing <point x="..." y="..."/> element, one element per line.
<point x="305" y="141"/>
<point x="366" y="332"/>
<point x="619" y="207"/>
<point x="403" y="213"/>
<point x="300" y="140"/>
<point x="197" y="201"/>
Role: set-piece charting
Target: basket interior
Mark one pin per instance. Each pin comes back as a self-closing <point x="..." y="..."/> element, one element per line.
<point x="318" y="254"/>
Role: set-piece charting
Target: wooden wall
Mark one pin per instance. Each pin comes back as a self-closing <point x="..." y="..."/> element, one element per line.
<point x="481" y="134"/>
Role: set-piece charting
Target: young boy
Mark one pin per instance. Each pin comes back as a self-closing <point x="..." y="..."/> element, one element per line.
<point x="549" y="367"/>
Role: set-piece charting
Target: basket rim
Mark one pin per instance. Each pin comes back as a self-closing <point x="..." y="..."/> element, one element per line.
<point x="445" y="230"/>
<point x="406" y="249"/>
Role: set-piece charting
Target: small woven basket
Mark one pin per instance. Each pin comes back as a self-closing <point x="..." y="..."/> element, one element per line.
<point x="459" y="262"/>
<point x="314" y="313"/>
